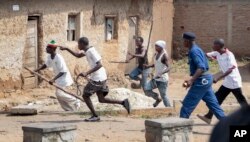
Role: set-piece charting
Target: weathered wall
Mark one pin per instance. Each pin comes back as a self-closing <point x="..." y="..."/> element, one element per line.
<point x="163" y="12"/>
<point x="53" y="25"/>
<point x="210" y="19"/>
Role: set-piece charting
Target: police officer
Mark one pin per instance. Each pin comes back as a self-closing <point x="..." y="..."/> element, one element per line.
<point x="201" y="80"/>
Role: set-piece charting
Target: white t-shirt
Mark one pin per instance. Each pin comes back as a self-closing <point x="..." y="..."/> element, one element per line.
<point x="227" y="61"/>
<point x="58" y="65"/>
<point x="93" y="57"/>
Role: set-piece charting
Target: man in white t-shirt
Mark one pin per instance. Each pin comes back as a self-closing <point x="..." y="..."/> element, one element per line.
<point x="232" y="80"/>
<point x="62" y="78"/>
<point x="97" y="81"/>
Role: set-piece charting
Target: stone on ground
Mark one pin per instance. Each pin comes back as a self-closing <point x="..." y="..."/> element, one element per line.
<point x="49" y="132"/>
<point x="137" y="100"/>
<point x="169" y="130"/>
<point x="25" y="110"/>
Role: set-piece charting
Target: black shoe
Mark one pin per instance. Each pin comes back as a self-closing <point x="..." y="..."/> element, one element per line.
<point x="127" y="106"/>
<point x="157" y="102"/>
<point x="93" y="119"/>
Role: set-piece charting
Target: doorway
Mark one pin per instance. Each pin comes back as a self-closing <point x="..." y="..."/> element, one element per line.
<point x="30" y="55"/>
<point x="133" y="33"/>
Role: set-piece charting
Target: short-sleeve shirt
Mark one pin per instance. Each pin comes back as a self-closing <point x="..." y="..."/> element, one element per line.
<point x="227" y="61"/>
<point x="93" y="57"/>
<point x="58" y="64"/>
<point x="197" y="60"/>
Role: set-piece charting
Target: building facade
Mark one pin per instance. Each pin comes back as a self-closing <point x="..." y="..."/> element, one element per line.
<point x="26" y="26"/>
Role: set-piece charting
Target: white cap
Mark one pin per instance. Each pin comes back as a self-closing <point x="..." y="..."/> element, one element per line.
<point x="161" y="43"/>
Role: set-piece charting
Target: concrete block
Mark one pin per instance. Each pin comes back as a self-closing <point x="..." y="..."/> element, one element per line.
<point x="170" y="122"/>
<point x="169" y="130"/>
<point x="25" y="110"/>
<point x="49" y="132"/>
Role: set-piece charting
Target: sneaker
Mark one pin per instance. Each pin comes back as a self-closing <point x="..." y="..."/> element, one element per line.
<point x="205" y="119"/>
<point x="157" y="102"/>
<point x="127" y="106"/>
<point x="93" y="119"/>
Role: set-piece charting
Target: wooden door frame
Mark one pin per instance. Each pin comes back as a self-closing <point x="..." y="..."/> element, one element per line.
<point x="37" y="18"/>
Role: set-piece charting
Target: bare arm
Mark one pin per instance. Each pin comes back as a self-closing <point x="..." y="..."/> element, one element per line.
<point x="76" y="54"/>
<point x="188" y="83"/>
<point x="58" y="76"/>
<point x="224" y="74"/>
<point x="165" y="61"/>
<point x="44" y="66"/>
<point x="97" y="67"/>
<point x="139" y="55"/>
<point x="130" y="59"/>
<point x="149" y="66"/>
<point x="197" y="74"/>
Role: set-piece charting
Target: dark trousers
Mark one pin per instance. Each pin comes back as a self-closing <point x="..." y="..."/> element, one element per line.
<point x="221" y="95"/>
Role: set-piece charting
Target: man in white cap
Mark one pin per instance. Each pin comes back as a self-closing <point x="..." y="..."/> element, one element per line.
<point x="160" y="79"/>
<point x="62" y="78"/>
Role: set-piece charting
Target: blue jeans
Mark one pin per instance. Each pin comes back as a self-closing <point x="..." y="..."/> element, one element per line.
<point x="201" y="90"/>
<point x="162" y="87"/>
<point x="135" y="75"/>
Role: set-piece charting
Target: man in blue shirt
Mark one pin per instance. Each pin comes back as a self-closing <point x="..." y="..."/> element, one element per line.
<point x="201" y="81"/>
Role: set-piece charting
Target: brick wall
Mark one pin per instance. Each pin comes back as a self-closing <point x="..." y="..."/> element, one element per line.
<point x="210" y="20"/>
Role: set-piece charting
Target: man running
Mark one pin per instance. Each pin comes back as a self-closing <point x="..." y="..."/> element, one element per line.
<point x="160" y="79"/>
<point x="62" y="78"/>
<point x="98" y="77"/>
<point x="141" y="56"/>
<point x="200" y="82"/>
<point x="232" y="80"/>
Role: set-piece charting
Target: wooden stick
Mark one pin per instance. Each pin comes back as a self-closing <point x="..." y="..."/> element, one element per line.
<point x="58" y="87"/>
<point x="149" y="36"/>
<point x="117" y="62"/>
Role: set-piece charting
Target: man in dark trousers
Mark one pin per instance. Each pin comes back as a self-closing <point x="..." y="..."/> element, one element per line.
<point x="232" y="80"/>
<point x="200" y="82"/>
<point x="97" y="82"/>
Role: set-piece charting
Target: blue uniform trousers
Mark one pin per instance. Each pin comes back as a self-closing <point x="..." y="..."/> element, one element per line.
<point x="201" y="90"/>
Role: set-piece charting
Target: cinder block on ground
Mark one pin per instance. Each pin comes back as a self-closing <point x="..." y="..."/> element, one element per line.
<point x="25" y="110"/>
<point x="49" y="132"/>
<point x="169" y="130"/>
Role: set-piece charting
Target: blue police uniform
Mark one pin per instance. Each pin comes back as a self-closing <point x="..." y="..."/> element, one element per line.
<point x="202" y="86"/>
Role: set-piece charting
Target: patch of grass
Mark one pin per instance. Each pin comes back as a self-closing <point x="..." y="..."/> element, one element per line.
<point x="183" y="67"/>
<point x="180" y="66"/>
<point x="214" y="67"/>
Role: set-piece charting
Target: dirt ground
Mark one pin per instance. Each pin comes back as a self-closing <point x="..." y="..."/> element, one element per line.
<point x="110" y="129"/>
<point x="113" y="127"/>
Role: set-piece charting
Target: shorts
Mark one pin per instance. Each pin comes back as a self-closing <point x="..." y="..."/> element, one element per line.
<point x="96" y="87"/>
